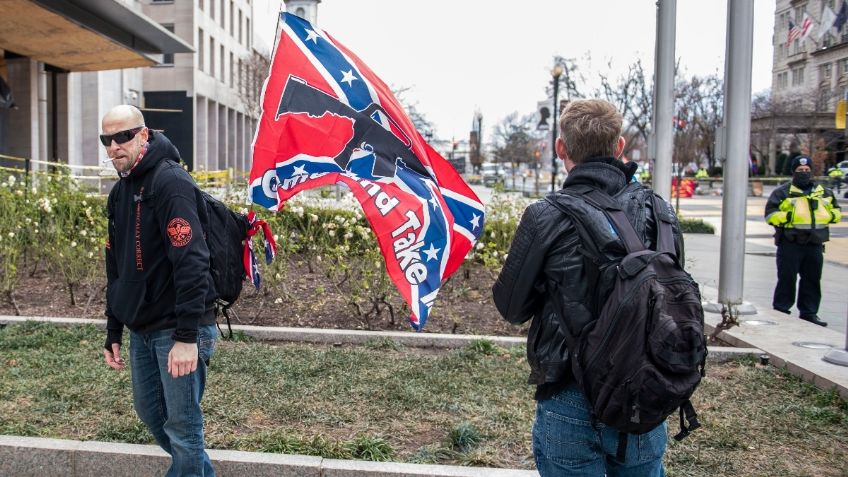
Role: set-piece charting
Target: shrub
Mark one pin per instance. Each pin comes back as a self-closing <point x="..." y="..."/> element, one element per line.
<point x="695" y="226"/>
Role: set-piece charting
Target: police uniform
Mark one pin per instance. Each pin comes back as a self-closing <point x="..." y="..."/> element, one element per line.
<point x="801" y="211"/>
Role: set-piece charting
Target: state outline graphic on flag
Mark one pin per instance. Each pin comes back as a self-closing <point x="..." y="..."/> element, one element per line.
<point x="327" y="118"/>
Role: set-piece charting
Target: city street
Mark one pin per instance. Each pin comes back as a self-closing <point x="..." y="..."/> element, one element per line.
<point x="703" y="252"/>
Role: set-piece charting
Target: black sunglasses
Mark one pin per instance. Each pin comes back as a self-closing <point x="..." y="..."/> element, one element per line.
<point x="120" y="137"/>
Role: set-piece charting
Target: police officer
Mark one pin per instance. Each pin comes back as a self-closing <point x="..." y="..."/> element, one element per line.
<point x="800" y="211"/>
<point x="836" y="178"/>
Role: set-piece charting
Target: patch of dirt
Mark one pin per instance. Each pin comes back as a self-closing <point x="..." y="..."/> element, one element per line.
<point x="305" y="299"/>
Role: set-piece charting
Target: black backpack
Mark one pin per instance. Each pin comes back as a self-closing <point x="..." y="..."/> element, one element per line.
<point x="225" y="232"/>
<point x="644" y="353"/>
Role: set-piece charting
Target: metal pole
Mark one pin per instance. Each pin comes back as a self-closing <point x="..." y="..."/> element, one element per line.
<point x="554" y="128"/>
<point x="664" y="97"/>
<point x="737" y="107"/>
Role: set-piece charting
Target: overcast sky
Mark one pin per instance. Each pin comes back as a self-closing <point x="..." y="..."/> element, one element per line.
<point x="457" y="56"/>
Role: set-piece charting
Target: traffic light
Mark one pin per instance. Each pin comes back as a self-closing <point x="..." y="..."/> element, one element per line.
<point x="543" y="115"/>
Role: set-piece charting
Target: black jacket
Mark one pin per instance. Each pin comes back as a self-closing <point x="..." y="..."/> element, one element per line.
<point x="546" y="260"/>
<point x="157" y="262"/>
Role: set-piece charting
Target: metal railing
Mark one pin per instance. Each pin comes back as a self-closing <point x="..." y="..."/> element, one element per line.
<point x="100" y="179"/>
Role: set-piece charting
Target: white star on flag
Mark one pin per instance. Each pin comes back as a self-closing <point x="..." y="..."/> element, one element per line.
<point x="311" y="36"/>
<point x="434" y="202"/>
<point x="347" y="77"/>
<point x="299" y="170"/>
<point x="475" y="221"/>
<point x="432" y="252"/>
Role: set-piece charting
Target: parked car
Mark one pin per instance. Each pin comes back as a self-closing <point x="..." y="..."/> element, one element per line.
<point x="843" y="166"/>
<point x="492" y="173"/>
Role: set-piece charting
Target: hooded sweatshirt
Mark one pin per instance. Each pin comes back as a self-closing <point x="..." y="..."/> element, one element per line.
<point x="157" y="261"/>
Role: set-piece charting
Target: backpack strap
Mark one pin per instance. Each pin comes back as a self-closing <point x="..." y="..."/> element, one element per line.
<point x="665" y="235"/>
<point x="612" y="210"/>
<point x="150" y="195"/>
<point x="687" y="411"/>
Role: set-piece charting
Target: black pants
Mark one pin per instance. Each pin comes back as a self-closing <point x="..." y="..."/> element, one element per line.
<point x="794" y="259"/>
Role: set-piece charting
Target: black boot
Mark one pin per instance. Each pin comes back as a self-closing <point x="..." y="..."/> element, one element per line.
<point x="815" y="320"/>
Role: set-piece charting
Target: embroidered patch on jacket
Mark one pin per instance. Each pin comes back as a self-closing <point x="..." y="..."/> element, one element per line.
<point x="179" y="232"/>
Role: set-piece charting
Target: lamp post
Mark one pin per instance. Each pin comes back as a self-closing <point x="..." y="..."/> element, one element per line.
<point x="556" y="73"/>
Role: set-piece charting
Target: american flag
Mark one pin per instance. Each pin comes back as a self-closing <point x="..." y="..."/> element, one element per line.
<point x="328" y="118"/>
<point x="799" y="32"/>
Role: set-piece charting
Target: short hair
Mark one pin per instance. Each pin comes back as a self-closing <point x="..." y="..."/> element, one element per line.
<point x="126" y="112"/>
<point x="590" y="128"/>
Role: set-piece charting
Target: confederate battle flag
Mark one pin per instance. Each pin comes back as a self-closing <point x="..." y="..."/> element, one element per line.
<point x="327" y="118"/>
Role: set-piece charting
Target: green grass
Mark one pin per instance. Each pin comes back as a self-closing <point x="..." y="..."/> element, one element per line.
<point x="386" y="402"/>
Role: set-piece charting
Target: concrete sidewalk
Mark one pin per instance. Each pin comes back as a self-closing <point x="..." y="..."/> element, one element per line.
<point x="789" y="341"/>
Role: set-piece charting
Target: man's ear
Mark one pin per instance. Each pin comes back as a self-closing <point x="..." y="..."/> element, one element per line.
<point x="560" y="149"/>
<point x="619" y="148"/>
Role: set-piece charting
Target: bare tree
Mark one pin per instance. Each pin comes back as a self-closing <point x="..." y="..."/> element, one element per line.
<point x="253" y="69"/>
<point x="513" y="142"/>
<point x="700" y="110"/>
<point x="419" y="120"/>
<point x="632" y="96"/>
<point x="803" y="121"/>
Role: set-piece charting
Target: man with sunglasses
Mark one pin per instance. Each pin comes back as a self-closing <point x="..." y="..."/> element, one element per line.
<point x="159" y="286"/>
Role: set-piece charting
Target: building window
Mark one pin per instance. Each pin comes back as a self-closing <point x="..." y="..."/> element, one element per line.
<point x="223" y="76"/>
<point x="223" y="25"/>
<point x="212" y="9"/>
<point x="211" y="56"/>
<point x="842" y="67"/>
<point x="798" y="76"/>
<point x="247" y="28"/>
<point x="782" y="80"/>
<point x="796" y="46"/>
<point x="232" y="69"/>
<point x="232" y="28"/>
<point x="827" y="40"/>
<point x="201" y="58"/>
<point x="300" y="12"/>
<point x="826" y="71"/>
<point x="240" y="29"/>
<point x="200" y="4"/>
<point x="239" y="74"/>
<point x="168" y="58"/>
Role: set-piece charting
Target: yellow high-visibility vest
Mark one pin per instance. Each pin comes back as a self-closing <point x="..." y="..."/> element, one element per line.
<point x="809" y="211"/>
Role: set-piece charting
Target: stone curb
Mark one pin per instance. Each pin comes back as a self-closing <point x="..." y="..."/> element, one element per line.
<point x="318" y="335"/>
<point x="358" y="337"/>
<point x="33" y="456"/>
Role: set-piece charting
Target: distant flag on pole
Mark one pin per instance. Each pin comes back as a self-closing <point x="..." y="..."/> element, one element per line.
<point x="793" y="33"/>
<point x="327" y="118"/>
<point x="841" y="17"/>
<point x="827" y="20"/>
<point x="806" y="27"/>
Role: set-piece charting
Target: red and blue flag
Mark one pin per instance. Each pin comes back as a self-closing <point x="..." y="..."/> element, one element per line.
<point x="327" y="118"/>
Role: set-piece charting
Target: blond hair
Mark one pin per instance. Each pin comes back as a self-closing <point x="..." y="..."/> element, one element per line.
<point x="590" y="128"/>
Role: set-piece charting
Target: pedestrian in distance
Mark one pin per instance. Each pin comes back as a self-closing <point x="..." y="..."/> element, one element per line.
<point x="801" y="211"/>
<point x="556" y="275"/>
<point x="836" y="178"/>
<point x="159" y="287"/>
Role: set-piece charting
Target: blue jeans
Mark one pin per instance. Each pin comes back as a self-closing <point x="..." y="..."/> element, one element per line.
<point x="566" y="444"/>
<point x="170" y="408"/>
